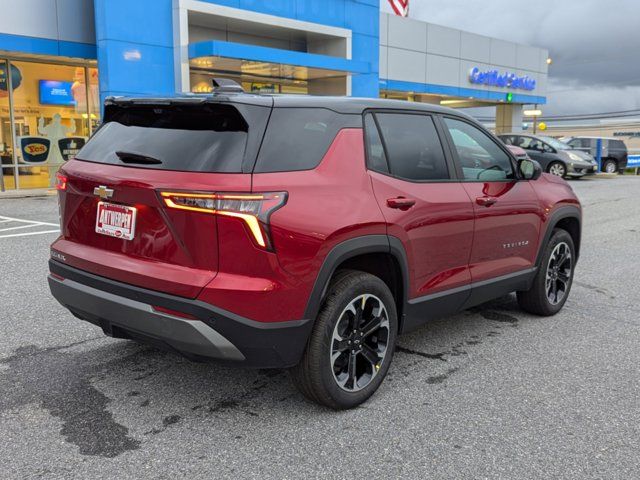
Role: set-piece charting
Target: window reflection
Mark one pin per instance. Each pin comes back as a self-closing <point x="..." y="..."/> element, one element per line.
<point x="55" y="110"/>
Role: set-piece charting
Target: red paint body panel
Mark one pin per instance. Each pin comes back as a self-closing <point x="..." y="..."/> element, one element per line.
<point x="437" y="231"/>
<point x="553" y="193"/>
<point x="173" y="251"/>
<point x="506" y="234"/>
<point x="326" y="206"/>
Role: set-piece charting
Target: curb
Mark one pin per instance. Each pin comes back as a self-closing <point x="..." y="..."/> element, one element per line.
<point x="38" y="192"/>
<point x="599" y="176"/>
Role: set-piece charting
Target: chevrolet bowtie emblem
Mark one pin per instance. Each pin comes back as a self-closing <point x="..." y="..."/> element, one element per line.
<point x="103" y="192"/>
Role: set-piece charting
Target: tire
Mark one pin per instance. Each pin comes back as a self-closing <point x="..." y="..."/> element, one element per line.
<point x="324" y="374"/>
<point x="610" y="166"/>
<point x="558" y="169"/>
<point x="538" y="300"/>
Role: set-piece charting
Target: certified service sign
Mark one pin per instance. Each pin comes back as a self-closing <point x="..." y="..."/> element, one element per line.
<point x="493" y="78"/>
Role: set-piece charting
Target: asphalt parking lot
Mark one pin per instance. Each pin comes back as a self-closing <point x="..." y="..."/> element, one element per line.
<point x="489" y="393"/>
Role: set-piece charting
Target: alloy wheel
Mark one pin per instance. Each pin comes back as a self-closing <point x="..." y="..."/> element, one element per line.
<point x="559" y="270"/>
<point x="359" y="343"/>
<point x="610" y="167"/>
<point x="557" y="169"/>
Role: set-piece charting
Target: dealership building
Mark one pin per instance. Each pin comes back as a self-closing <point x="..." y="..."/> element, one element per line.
<point x="60" y="59"/>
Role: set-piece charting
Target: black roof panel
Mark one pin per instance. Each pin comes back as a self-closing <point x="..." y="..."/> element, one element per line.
<point x="353" y="105"/>
<point x="346" y="105"/>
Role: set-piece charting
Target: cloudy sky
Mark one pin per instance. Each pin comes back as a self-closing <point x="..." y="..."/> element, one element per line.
<point x="594" y="44"/>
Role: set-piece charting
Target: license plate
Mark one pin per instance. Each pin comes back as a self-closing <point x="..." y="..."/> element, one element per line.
<point x="117" y="221"/>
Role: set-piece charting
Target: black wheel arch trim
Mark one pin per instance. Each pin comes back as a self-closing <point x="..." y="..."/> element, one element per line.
<point x="566" y="211"/>
<point x="352" y="248"/>
<point x="389" y="244"/>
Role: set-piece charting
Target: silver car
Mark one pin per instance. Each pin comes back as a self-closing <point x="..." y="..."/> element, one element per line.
<point x="554" y="156"/>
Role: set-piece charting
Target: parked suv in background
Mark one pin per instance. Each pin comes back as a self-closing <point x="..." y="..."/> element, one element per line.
<point x="614" y="154"/>
<point x="554" y="156"/>
<point x="302" y="232"/>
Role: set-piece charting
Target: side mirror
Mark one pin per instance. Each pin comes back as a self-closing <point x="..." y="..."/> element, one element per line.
<point x="529" y="169"/>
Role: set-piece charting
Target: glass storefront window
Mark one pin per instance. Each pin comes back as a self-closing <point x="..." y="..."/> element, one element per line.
<point x="51" y="119"/>
<point x="201" y="83"/>
<point x="6" y="139"/>
<point x="94" y="100"/>
<point x="46" y="118"/>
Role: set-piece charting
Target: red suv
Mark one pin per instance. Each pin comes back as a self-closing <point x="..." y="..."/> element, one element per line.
<point x="300" y="232"/>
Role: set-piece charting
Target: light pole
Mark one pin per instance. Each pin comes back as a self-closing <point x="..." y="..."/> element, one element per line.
<point x="535" y="114"/>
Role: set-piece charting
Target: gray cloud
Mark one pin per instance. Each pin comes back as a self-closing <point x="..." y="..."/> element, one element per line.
<point x="594" y="44"/>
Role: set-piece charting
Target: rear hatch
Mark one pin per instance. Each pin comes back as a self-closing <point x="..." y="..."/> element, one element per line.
<point x="116" y="222"/>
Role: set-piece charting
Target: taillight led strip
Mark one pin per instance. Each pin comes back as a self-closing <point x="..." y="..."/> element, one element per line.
<point x="61" y="181"/>
<point x="253" y="209"/>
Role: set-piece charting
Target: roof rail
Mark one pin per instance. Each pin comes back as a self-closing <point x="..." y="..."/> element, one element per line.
<point x="226" y="85"/>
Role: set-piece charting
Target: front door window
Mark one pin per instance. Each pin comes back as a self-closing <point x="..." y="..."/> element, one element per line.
<point x="479" y="156"/>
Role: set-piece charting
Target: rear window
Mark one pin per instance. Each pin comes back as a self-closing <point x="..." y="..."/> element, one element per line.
<point x="298" y="138"/>
<point x="197" y="138"/>
<point x="617" y="145"/>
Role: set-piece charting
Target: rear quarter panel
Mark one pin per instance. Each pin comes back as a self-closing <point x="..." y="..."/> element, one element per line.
<point x="326" y="206"/>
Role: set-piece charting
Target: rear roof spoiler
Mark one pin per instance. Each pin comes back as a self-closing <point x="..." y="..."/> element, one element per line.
<point x="192" y="99"/>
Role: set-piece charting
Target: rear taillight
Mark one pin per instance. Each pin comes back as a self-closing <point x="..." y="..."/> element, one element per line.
<point x="61" y="181"/>
<point x="252" y="208"/>
<point x="61" y="186"/>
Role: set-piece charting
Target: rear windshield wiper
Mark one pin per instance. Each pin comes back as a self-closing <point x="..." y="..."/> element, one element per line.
<point x="130" y="157"/>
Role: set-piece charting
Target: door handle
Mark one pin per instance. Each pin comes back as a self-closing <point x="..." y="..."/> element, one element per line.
<point x="486" y="201"/>
<point x="400" y="203"/>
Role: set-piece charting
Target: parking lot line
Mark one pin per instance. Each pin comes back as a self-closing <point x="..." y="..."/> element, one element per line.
<point x="4" y="219"/>
<point x="25" y="224"/>
<point x="29" y="234"/>
<point x="31" y="225"/>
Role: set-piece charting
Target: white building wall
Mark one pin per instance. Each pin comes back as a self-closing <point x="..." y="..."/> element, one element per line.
<point x="421" y="52"/>
<point x="65" y="20"/>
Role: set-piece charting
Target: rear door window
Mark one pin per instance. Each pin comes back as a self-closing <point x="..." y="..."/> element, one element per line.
<point x="195" y="138"/>
<point x="617" y="145"/>
<point x="298" y="138"/>
<point x="580" y="143"/>
<point x="377" y="159"/>
<point x="413" y="147"/>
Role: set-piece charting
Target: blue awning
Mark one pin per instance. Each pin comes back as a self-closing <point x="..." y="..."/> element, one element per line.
<point x="472" y="93"/>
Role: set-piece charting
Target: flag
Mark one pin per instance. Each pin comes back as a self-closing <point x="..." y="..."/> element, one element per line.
<point x="401" y="7"/>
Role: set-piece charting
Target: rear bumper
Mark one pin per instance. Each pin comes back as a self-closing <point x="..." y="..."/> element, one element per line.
<point x="126" y="311"/>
